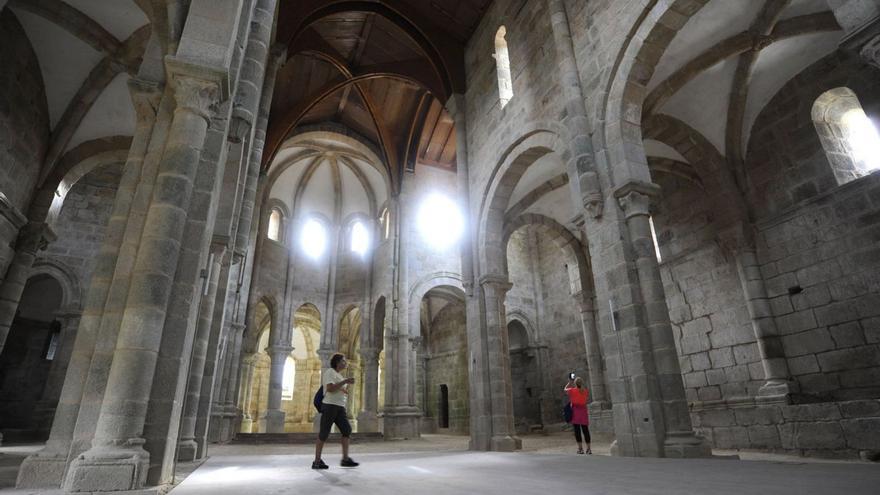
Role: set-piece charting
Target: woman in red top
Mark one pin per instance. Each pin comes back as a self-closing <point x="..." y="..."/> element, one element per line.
<point x="580" y="418"/>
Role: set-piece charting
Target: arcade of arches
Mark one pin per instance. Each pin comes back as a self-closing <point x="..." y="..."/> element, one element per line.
<point x="201" y="201"/>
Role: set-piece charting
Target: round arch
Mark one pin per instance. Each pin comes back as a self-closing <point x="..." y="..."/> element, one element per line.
<point x="70" y="287"/>
<point x="542" y="139"/>
<point x="421" y="287"/>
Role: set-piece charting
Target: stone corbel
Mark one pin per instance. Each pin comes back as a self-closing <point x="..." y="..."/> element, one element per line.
<point x="34" y="236"/>
<point x="635" y="197"/>
<point x="591" y="192"/>
<point x="497" y="283"/>
<point x="736" y="238"/>
<point x="238" y="128"/>
<point x="145" y="95"/>
<point x="870" y="52"/>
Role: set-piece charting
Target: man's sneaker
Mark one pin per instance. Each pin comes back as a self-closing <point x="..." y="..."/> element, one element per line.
<point x="319" y="464"/>
<point x="349" y="462"/>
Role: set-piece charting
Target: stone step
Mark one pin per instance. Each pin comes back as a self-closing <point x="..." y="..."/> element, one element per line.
<point x="300" y="438"/>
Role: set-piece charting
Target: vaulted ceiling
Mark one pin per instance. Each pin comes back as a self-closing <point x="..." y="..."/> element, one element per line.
<point x="379" y="70"/>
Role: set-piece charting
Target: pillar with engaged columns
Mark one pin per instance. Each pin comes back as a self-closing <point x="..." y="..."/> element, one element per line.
<point x="33" y="237"/>
<point x="738" y="241"/>
<point x="274" y="414"/>
<point x="368" y="419"/>
<point x="46" y="467"/>
<point x="499" y="394"/>
<point x="654" y="398"/>
<point x="117" y="460"/>
<point x="228" y="391"/>
<point x="598" y="396"/>
<point x="187" y="446"/>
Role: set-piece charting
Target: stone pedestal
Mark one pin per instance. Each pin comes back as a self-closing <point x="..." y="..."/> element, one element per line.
<point x="402" y="422"/>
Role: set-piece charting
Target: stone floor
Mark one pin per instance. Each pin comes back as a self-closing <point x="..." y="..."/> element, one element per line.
<point x="439" y="464"/>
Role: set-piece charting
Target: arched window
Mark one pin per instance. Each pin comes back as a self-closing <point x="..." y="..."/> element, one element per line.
<point x="274" y="231"/>
<point x="850" y="139"/>
<point x="360" y="239"/>
<point x="386" y="222"/>
<point x="440" y="221"/>
<point x="313" y="238"/>
<point x="288" y="379"/>
<point x="502" y="63"/>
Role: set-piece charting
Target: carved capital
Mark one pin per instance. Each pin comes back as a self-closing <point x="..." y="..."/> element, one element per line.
<point x="145" y="95"/>
<point x="33" y="237"/>
<point x="369" y="356"/>
<point x="497" y="284"/>
<point x="591" y="193"/>
<point x="196" y="96"/>
<point x="635" y="198"/>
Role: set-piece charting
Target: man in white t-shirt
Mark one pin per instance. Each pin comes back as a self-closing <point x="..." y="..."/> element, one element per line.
<point x="333" y="411"/>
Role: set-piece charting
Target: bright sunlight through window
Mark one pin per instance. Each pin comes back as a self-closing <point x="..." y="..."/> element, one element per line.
<point x="440" y="221"/>
<point x="360" y="239"/>
<point x="314" y="238"/>
<point x="274" y="225"/>
<point x="863" y="138"/>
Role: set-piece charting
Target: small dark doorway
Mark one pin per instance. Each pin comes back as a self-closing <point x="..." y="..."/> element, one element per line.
<point x="444" y="406"/>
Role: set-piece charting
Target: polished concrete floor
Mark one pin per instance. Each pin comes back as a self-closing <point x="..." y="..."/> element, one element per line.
<point x="440" y="464"/>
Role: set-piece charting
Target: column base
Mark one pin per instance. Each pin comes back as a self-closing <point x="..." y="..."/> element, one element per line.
<point x="402" y="422"/>
<point x="109" y="469"/>
<point x="275" y="421"/>
<point x="505" y="443"/>
<point x="187" y="450"/>
<point x="247" y="424"/>
<point x="686" y="445"/>
<point x="42" y="470"/>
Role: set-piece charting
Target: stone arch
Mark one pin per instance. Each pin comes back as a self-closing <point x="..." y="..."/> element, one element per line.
<point x="262" y="318"/>
<point x="621" y="110"/>
<point x="543" y="138"/>
<point x="526" y="322"/>
<point x="73" y="166"/>
<point x="421" y="287"/>
<point x="832" y="114"/>
<point x="581" y="276"/>
<point x="304" y="314"/>
<point x="71" y="288"/>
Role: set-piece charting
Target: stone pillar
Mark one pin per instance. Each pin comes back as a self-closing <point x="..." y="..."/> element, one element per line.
<point x="658" y="394"/>
<point x="213" y="358"/>
<point x="368" y="419"/>
<point x="186" y="446"/>
<point x="274" y="414"/>
<point x="583" y="179"/>
<point x="502" y="435"/>
<point x="117" y="460"/>
<point x="33" y="237"/>
<point x="229" y="389"/>
<point x="739" y="242"/>
<point x="11" y="222"/>
<point x="598" y="396"/>
<point x="249" y="365"/>
<point x="69" y="320"/>
<point x="46" y="468"/>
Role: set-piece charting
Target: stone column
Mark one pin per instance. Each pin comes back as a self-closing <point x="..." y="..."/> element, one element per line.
<point x="738" y="241"/>
<point x="11" y="222"/>
<point x="187" y="447"/>
<point x="33" y="237"/>
<point x="46" y="468"/>
<point x="502" y="435"/>
<point x="230" y="383"/>
<point x="583" y="179"/>
<point x="660" y="389"/>
<point x="368" y="419"/>
<point x="274" y="414"/>
<point x="69" y="320"/>
<point x="117" y="460"/>
<point x="598" y="396"/>
<point x="249" y="364"/>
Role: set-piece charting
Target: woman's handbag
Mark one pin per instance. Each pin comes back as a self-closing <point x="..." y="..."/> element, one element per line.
<point x="567" y="412"/>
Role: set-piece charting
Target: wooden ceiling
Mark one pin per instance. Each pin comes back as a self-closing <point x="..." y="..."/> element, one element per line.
<point x="382" y="69"/>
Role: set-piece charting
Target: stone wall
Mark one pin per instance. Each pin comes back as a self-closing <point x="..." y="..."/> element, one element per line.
<point x="447" y="365"/>
<point x="83" y="220"/>
<point x="818" y="242"/>
<point x="24" y="130"/>
<point x="716" y="343"/>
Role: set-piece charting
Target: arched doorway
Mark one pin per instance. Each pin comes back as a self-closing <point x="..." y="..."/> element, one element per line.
<point x="524" y="375"/>
<point x="32" y="346"/>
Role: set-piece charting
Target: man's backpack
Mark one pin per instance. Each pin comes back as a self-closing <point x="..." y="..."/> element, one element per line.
<point x="319" y="398"/>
